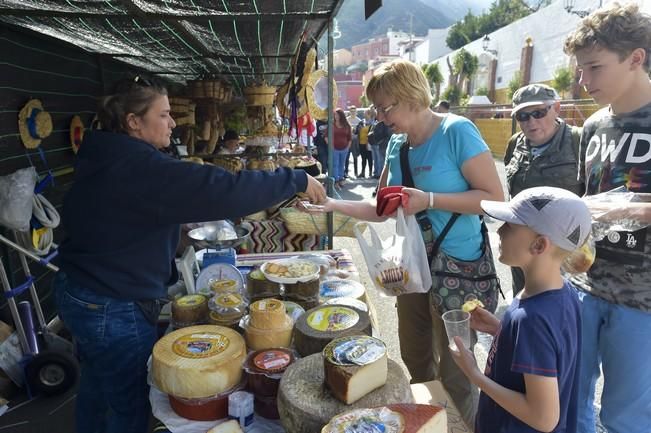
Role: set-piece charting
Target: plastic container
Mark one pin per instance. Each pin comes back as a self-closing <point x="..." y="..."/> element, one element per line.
<point x="205" y="409"/>
<point x="240" y="408"/>
<point x="265" y="368"/>
<point x="228" y="306"/>
<point x="259" y="339"/>
<point x="293" y="310"/>
<point x="234" y="324"/>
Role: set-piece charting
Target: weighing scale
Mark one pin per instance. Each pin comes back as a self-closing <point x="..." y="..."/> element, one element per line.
<point x="218" y="251"/>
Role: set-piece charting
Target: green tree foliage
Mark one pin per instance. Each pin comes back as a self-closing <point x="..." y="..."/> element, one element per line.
<point x="434" y="77"/>
<point x="500" y="14"/>
<point x="563" y="80"/>
<point x="515" y="83"/>
<point x="482" y="91"/>
<point x="452" y="94"/>
<point x="465" y="65"/>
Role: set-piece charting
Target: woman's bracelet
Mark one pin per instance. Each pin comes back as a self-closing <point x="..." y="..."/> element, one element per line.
<point x="431" y="200"/>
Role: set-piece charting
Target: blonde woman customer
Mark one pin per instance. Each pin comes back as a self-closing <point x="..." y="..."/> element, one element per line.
<point x="453" y="171"/>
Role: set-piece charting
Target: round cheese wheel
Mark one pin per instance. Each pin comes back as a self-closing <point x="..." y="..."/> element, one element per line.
<point x="199" y="361"/>
<point x="190" y="310"/>
<point x="268" y="314"/>
<point x="305" y="405"/>
<point x="394" y="418"/>
<point x="320" y="325"/>
<point x="259" y="339"/>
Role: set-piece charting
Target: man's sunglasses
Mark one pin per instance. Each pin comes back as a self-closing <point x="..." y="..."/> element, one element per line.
<point x="524" y="116"/>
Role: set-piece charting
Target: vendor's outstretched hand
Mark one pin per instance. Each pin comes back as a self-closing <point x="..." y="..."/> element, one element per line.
<point x="464" y="358"/>
<point x="414" y="201"/>
<point x="315" y="191"/>
<point x="326" y="206"/>
<point x="484" y="321"/>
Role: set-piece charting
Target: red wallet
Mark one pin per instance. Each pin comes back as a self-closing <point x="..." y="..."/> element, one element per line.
<point x="389" y="199"/>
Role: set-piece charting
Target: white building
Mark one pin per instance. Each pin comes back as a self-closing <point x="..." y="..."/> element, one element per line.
<point x="547" y="29"/>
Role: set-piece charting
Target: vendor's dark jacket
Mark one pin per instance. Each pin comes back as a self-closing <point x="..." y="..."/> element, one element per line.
<point x="557" y="166"/>
<point x="123" y="212"/>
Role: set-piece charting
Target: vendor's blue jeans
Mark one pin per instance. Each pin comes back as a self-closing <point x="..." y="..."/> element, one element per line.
<point x="618" y="338"/>
<point x="114" y="341"/>
<point x="339" y="162"/>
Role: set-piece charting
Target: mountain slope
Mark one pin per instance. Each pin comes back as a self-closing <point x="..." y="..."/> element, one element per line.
<point x="393" y="13"/>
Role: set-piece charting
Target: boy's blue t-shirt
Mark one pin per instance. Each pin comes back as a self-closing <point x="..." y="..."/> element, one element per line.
<point x="436" y="167"/>
<point x="540" y="335"/>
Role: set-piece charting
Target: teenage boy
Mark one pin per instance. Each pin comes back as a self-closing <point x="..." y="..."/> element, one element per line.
<point x="530" y="383"/>
<point x="612" y="48"/>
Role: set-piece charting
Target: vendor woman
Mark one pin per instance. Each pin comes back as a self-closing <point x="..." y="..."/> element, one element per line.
<point x="121" y="218"/>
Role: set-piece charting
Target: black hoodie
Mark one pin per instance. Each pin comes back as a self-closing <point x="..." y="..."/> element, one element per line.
<point x="123" y="212"/>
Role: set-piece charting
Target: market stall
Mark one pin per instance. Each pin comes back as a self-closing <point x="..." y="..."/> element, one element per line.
<point x="290" y="336"/>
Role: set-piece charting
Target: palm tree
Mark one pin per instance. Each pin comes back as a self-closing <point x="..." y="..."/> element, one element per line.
<point x="434" y="77"/>
<point x="562" y="82"/>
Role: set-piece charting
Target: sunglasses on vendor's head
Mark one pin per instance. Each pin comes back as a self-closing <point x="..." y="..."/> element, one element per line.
<point x="383" y="110"/>
<point x="524" y="116"/>
<point x="128" y="85"/>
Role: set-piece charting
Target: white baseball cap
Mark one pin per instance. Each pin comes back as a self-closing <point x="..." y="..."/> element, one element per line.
<point x="556" y="213"/>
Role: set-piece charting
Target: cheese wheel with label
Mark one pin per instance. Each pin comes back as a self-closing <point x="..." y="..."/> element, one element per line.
<point x="198" y="361"/>
<point x="354" y="366"/>
<point x="305" y="405"/>
<point x="268" y="314"/>
<point x="190" y="310"/>
<point x="393" y="418"/>
<point x="320" y="325"/>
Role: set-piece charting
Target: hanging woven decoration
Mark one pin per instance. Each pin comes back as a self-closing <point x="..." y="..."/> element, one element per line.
<point x="34" y="124"/>
<point x="76" y="133"/>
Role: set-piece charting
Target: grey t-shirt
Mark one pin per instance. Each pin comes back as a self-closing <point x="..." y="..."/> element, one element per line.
<point x="616" y="151"/>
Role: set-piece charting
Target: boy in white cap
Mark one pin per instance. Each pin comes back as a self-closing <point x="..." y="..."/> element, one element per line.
<point x="531" y="375"/>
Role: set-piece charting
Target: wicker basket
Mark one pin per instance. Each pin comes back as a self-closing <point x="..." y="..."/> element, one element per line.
<point x="298" y="222"/>
<point x="260" y="95"/>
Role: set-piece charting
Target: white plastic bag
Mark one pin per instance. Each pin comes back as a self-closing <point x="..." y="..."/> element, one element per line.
<point x="16" y="197"/>
<point x="397" y="265"/>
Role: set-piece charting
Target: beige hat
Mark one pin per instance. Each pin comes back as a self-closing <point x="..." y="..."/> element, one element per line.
<point x="34" y="123"/>
<point x="76" y="133"/>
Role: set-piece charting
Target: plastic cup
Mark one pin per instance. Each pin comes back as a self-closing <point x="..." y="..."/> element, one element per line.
<point x="457" y="324"/>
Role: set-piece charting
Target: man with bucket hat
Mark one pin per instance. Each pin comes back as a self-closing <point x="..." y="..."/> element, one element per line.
<point x="545" y="151"/>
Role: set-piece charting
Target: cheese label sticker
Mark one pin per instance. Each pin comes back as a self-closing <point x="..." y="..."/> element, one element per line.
<point x="222" y="285"/>
<point x="354" y="350"/>
<point x="268" y="305"/>
<point x="202" y="345"/>
<point x="191" y="300"/>
<point x="229" y="300"/>
<point x="273" y="360"/>
<point x="332" y="319"/>
<point x="341" y="288"/>
<point x="377" y="420"/>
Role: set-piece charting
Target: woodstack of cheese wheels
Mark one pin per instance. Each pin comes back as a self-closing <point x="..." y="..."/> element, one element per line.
<point x="268" y="325"/>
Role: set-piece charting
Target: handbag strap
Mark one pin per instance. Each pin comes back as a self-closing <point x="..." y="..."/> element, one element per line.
<point x="408" y="181"/>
